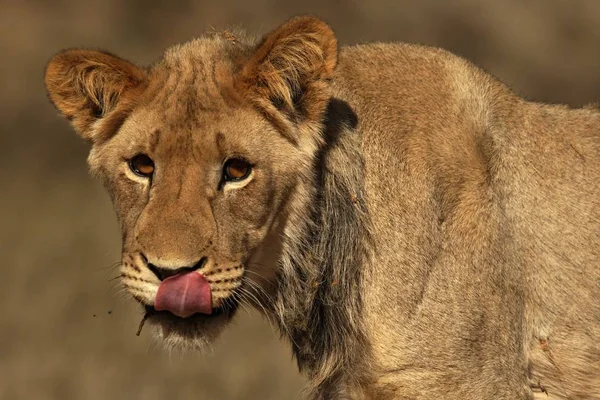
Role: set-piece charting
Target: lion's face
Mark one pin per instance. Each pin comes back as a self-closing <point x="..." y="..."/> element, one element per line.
<point x="203" y="155"/>
<point x="213" y="187"/>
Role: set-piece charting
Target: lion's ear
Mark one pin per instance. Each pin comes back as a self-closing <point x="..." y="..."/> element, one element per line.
<point x="94" y="90"/>
<point x="291" y="68"/>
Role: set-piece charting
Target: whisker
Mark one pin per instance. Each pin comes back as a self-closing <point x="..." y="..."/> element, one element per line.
<point x="266" y="310"/>
<point x="123" y="294"/>
<point x="260" y="276"/>
<point x="259" y="264"/>
<point x="258" y="304"/>
<point x="111" y="266"/>
<point x="245" y="306"/>
<point x="237" y="297"/>
<point x="229" y="302"/>
<point x="260" y="290"/>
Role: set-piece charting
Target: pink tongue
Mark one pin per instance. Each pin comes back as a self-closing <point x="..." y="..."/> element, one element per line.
<point x="184" y="294"/>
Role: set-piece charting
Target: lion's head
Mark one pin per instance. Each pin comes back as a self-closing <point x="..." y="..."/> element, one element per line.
<point x="205" y="155"/>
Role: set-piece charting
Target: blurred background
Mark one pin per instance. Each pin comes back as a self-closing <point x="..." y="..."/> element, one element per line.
<point x="65" y="333"/>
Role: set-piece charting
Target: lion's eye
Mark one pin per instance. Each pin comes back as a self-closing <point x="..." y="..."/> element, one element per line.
<point x="236" y="169"/>
<point x="142" y="165"/>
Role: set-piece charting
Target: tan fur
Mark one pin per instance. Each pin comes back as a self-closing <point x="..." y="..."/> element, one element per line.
<point x="415" y="229"/>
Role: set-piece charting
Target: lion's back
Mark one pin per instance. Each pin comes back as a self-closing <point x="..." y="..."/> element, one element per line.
<point x="469" y="183"/>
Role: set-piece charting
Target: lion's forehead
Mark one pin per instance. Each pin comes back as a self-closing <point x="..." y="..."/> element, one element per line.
<point x="193" y="78"/>
<point x="190" y="98"/>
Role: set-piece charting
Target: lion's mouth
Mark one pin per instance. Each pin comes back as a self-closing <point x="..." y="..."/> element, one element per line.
<point x="188" y="326"/>
<point x="185" y="306"/>
<point x="223" y="310"/>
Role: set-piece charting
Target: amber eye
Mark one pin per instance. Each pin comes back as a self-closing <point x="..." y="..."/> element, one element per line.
<point x="142" y="165"/>
<point x="236" y="169"/>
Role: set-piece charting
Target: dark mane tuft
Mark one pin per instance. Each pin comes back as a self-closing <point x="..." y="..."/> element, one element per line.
<point x="320" y="302"/>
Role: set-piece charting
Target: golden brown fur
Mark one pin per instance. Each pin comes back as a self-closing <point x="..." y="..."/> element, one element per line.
<point x="414" y="228"/>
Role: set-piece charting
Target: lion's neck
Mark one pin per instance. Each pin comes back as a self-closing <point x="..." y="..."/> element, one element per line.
<point x="319" y="301"/>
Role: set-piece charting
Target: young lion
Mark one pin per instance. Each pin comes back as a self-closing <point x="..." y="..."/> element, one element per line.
<point x="415" y="228"/>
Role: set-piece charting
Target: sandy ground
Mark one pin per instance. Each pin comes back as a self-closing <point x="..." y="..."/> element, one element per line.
<point x="65" y="333"/>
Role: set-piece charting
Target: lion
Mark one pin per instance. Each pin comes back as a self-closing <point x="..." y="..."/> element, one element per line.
<point x="414" y="228"/>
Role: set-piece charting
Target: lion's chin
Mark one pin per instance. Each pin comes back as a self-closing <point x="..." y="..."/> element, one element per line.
<point x="196" y="332"/>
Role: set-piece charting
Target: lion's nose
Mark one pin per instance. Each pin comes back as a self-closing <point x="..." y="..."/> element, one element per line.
<point x="163" y="273"/>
